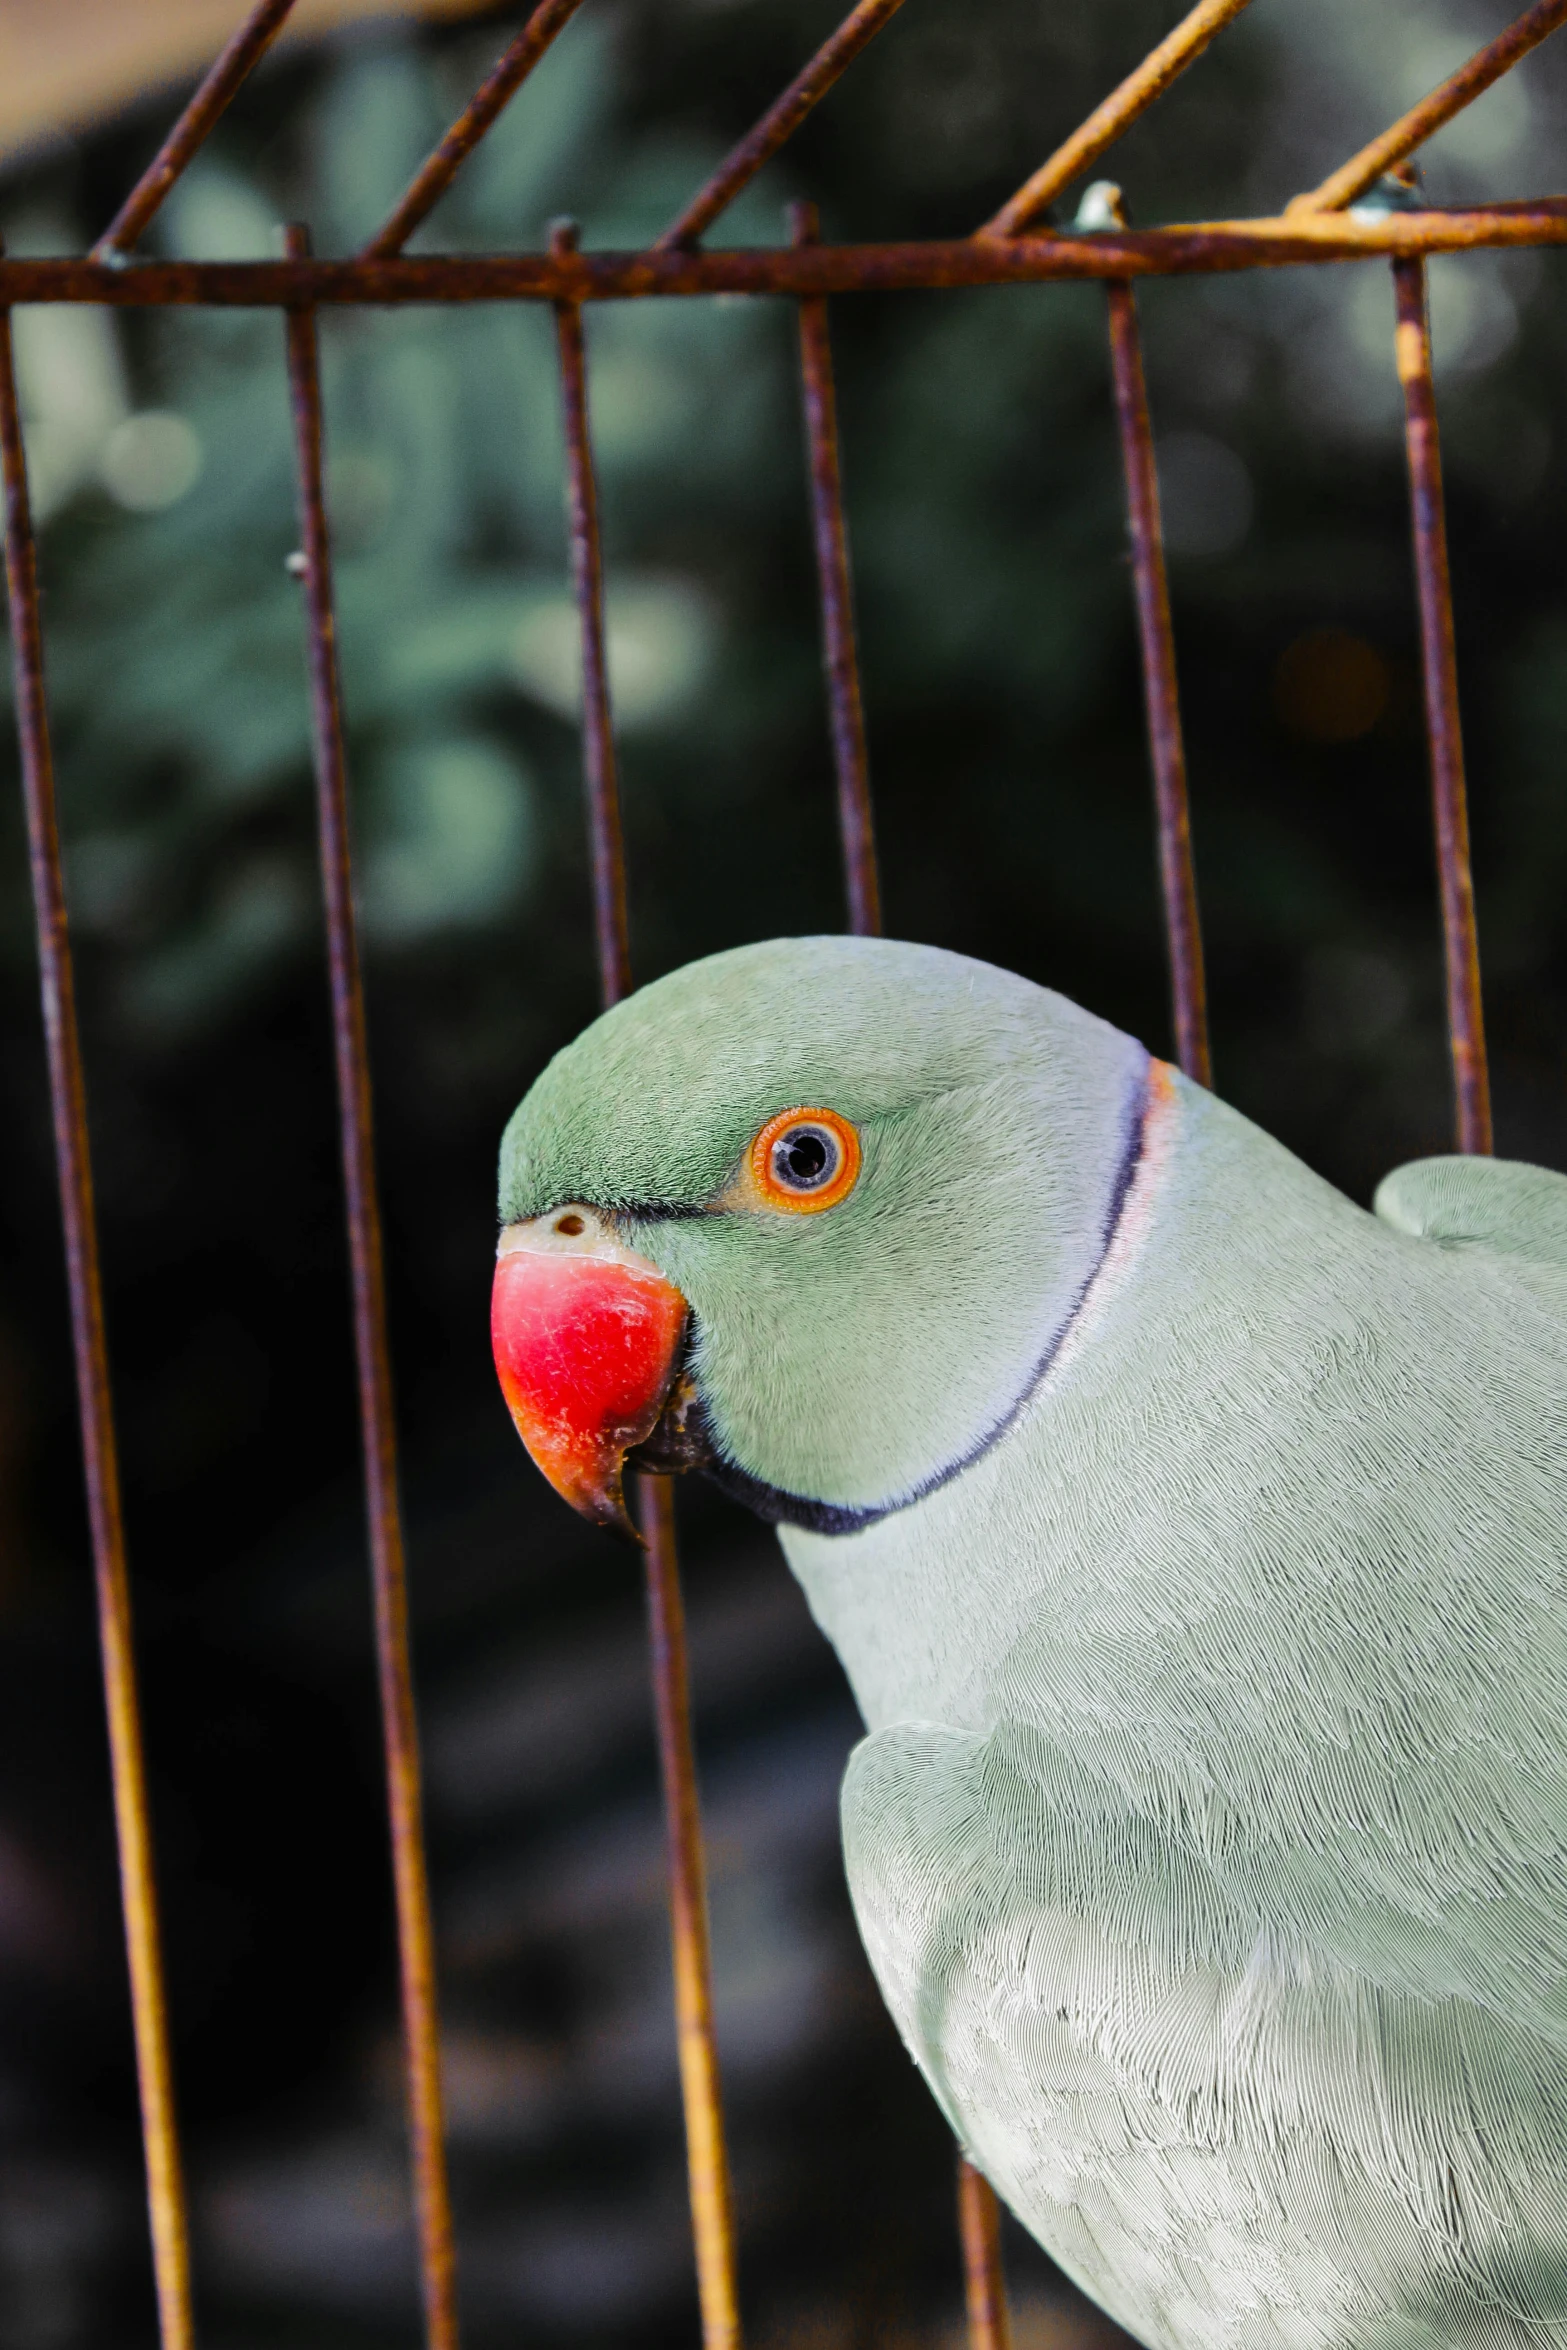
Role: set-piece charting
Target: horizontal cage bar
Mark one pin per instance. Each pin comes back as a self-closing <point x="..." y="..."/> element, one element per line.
<point x="786" y="269"/>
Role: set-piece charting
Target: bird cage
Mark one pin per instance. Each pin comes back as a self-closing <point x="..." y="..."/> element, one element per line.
<point x="1370" y="209"/>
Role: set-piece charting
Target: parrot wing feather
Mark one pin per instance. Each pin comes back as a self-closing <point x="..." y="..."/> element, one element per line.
<point x="1141" y="2064"/>
<point x="1498" y="1204"/>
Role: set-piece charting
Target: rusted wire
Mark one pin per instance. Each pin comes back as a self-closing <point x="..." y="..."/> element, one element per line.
<point x="978" y="2218"/>
<point x="712" y="2210"/>
<point x="388" y="1563"/>
<point x="1189" y="249"/>
<point x="600" y="776"/>
<point x="436" y="174"/>
<point x="1412" y="130"/>
<point x="707" y="2159"/>
<point x="73" y="1167"/>
<point x="239" y="58"/>
<point x="782" y="119"/>
<point x="1439" y="665"/>
<point x="840" y="653"/>
<point x="984" y="2282"/>
<point x="1177" y="876"/>
<point x="1118" y="112"/>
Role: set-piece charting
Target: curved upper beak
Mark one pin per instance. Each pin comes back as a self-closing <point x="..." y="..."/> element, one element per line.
<point x="587" y="1342"/>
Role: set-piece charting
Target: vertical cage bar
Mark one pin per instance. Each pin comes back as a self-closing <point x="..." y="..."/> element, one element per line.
<point x="979" y="2218"/>
<point x="1178" y="879"/>
<point x="840" y="653"/>
<point x="712" y="2207"/>
<point x="389" y="1573"/>
<point x="600" y="776"/>
<point x="1444" y="731"/>
<point x="707" y="2158"/>
<point x="73" y="1167"/>
<point x="984" y="2283"/>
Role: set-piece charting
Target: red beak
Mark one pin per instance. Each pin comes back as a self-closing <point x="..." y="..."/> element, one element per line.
<point x="586" y="1337"/>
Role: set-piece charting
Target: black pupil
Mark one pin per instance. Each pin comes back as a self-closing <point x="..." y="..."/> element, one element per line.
<point x="804" y="1157"/>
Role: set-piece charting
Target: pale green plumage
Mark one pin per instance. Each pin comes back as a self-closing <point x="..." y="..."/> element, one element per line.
<point x="818" y="1334"/>
<point x="1210" y="1838"/>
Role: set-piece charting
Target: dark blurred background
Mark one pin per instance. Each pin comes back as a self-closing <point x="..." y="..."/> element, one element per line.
<point x="1005" y="725"/>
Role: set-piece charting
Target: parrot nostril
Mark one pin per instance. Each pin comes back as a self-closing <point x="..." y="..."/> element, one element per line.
<point x="569" y="1225"/>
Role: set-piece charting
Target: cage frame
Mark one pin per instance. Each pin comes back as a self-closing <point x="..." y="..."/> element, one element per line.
<point x="1333" y="222"/>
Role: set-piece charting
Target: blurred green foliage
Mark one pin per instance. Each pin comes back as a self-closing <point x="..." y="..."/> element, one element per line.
<point x="175" y="634"/>
<point x="985" y="512"/>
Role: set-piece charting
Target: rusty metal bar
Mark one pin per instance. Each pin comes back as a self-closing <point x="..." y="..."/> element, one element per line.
<point x="1118" y="112"/>
<point x="782" y="119"/>
<point x="73" y="1165"/>
<point x="1439" y="666"/>
<point x="984" y="2283"/>
<point x="707" y="2159"/>
<point x="1178" y="880"/>
<point x="712" y="2207"/>
<point x="1412" y="130"/>
<point x="388" y="1564"/>
<point x="840" y="653"/>
<point x="238" y="59"/>
<point x="1187" y="249"/>
<point x="978" y="2217"/>
<point x="436" y="174"/>
<point x="600" y="775"/>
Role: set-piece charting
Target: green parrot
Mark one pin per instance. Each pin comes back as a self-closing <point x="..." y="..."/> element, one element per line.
<point x="1196" y="1546"/>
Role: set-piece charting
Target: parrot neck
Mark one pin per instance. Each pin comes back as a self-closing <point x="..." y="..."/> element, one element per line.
<point x="1145" y="1146"/>
<point x="1060" y="1529"/>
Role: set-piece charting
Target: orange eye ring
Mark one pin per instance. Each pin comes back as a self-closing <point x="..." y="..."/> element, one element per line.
<point x="803" y="1172"/>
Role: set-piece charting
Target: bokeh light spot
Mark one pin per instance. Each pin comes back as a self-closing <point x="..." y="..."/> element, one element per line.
<point x="149" y="461"/>
<point x="1205" y="495"/>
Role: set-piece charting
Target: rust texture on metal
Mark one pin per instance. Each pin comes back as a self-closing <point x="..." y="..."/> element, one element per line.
<point x="73" y="1166"/>
<point x="984" y="2282"/>
<point x="840" y="652"/>
<point x="1177" y="875"/>
<point x="1412" y="130"/>
<point x="1439" y="666"/>
<point x="707" y="2158"/>
<point x="712" y="2204"/>
<point x="388" y="1561"/>
<point x="236" y="62"/>
<point x="436" y="174"/>
<point x="1119" y="111"/>
<point x="1185" y="250"/>
<point x="600" y="776"/>
<point x="782" y="119"/>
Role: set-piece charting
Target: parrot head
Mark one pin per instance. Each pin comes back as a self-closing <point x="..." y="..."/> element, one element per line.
<point x="813" y="1215"/>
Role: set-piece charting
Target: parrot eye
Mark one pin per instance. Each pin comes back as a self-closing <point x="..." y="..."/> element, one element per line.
<point x="802" y="1161"/>
<point x="805" y="1158"/>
